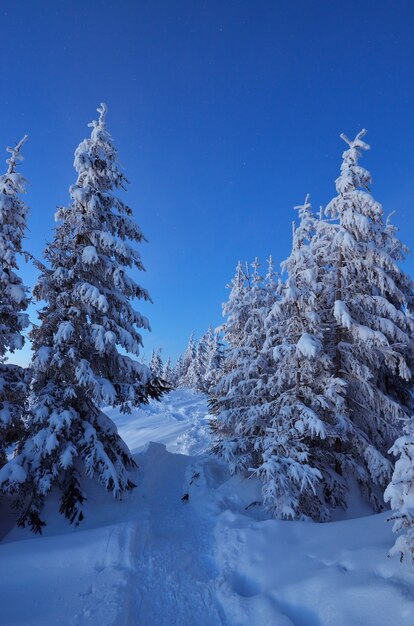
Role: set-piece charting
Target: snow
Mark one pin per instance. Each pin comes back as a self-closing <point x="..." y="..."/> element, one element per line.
<point x="342" y="314"/>
<point x="211" y="559"/>
<point x="90" y="255"/>
<point x="308" y="346"/>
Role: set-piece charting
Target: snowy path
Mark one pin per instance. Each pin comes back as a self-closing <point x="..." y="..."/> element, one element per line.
<point x="158" y="569"/>
<point x="175" y="576"/>
<point x="156" y="560"/>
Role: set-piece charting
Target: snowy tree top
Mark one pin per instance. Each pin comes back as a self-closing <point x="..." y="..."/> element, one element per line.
<point x="15" y="157"/>
<point x="353" y="175"/>
<point x="102" y="110"/>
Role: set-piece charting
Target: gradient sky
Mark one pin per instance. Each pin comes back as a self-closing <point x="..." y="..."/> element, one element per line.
<point x="225" y="115"/>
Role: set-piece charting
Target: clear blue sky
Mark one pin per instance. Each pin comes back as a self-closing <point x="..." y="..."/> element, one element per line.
<point x="225" y="115"/>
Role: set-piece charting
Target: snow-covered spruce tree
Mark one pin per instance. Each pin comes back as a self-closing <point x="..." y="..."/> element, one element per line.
<point x="371" y="331"/>
<point x="400" y="494"/>
<point x="169" y="373"/>
<point x="214" y="361"/>
<point x="238" y="424"/>
<point x="302" y="396"/>
<point x="188" y="370"/>
<point x="201" y="362"/>
<point x="13" y="300"/>
<point x="77" y="364"/>
<point x="156" y="365"/>
<point x="177" y="372"/>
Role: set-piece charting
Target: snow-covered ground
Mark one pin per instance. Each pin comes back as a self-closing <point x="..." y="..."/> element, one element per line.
<point x="210" y="559"/>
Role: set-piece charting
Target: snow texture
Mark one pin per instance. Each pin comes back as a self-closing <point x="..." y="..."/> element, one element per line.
<point x="210" y="560"/>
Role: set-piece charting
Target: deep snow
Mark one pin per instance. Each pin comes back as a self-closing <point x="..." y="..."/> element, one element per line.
<point x="210" y="559"/>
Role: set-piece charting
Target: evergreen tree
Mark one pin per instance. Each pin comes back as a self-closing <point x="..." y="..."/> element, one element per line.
<point x="201" y="362"/>
<point x="238" y="423"/>
<point x="178" y="372"/>
<point x="302" y="395"/>
<point x="400" y="494"/>
<point x="77" y="364"/>
<point x="214" y="361"/>
<point x="188" y="370"/>
<point x="13" y="300"/>
<point x="371" y="336"/>
<point x="169" y="373"/>
<point x="156" y="365"/>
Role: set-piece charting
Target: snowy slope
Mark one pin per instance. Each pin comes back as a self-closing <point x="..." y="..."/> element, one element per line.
<point x="155" y="559"/>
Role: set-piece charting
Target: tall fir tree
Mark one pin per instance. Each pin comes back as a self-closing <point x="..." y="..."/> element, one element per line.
<point x="371" y="333"/>
<point x="77" y="365"/>
<point x="303" y="397"/>
<point x="14" y="300"/>
<point x="235" y="402"/>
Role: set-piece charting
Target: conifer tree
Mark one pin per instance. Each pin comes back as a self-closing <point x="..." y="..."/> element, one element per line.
<point x="77" y="365"/>
<point x="302" y="395"/>
<point x="13" y="300"/>
<point x="372" y="334"/>
<point x="214" y="361"/>
<point x="156" y="365"/>
<point x="169" y="373"/>
<point x="188" y="367"/>
<point x="201" y="361"/>
<point x="238" y="423"/>
<point x="400" y="494"/>
<point x="178" y="372"/>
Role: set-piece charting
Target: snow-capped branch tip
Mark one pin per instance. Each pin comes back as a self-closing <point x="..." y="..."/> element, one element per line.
<point x="306" y="205"/>
<point x="15" y="154"/>
<point x="389" y="217"/>
<point x="102" y="110"/>
<point x="357" y="142"/>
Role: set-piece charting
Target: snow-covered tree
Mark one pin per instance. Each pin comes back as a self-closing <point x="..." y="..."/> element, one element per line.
<point x="177" y="372"/>
<point x="372" y="334"/>
<point x="400" y="494"/>
<point x="302" y="396"/>
<point x="188" y="375"/>
<point x="168" y="375"/>
<point x="201" y="362"/>
<point x="85" y="343"/>
<point x="238" y="423"/>
<point x="214" y="360"/>
<point x="156" y="365"/>
<point x="13" y="300"/>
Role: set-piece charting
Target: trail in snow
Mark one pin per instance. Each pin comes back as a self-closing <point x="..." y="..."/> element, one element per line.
<point x="156" y="560"/>
<point x="176" y="572"/>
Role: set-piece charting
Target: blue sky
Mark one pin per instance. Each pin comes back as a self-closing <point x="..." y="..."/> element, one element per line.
<point x="225" y="115"/>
